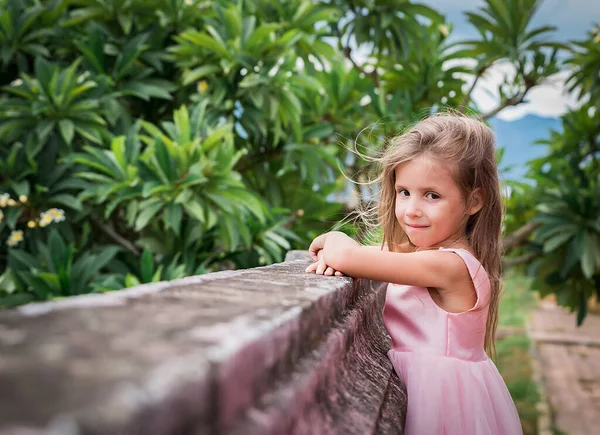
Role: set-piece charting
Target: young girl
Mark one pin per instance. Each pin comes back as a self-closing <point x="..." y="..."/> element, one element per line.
<point x="440" y="211"/>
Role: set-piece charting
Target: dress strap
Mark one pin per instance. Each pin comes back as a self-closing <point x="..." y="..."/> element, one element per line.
<point x="479" y="275"/>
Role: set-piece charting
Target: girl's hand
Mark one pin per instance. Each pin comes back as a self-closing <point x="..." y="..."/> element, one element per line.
<point x="316" y="246"/>
<point x="320" y="268"/>
<point x="333" y="242"/>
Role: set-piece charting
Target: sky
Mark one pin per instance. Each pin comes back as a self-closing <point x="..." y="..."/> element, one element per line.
<point x="573" y="19"/>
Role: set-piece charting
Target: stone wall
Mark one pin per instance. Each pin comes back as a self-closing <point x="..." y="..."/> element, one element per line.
<point x="269" y="350"/>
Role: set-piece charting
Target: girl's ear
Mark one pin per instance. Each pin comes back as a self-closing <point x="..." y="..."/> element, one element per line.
<point x="476" y="202"/>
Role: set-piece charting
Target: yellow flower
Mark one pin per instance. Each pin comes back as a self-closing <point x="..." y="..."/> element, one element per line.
<point x="11" y="202"/>
<point x="202" y="86"/>
<point x="15" y="238"/>
<point x="31" y="224"/>
<point x="23" y="198"/>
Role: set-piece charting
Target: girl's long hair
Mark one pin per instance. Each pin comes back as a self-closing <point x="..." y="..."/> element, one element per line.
<point x="466" y="145"/>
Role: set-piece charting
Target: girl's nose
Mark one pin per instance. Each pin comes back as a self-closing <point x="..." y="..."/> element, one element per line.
<point x="413" y="209"/>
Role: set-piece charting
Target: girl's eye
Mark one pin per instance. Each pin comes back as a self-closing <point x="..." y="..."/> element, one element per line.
<point x="432" y="195"/>
<point x="403" y="192"/>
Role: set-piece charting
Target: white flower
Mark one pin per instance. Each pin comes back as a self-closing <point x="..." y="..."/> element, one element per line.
<point x="15" y="238"/>
<point x="4" y="199"/>
<point x="52" y="215"/>
<point x="45" y="219"/>
<point x="58" y="215"/>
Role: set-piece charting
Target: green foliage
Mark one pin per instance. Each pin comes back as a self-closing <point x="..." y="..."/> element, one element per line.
<point x="585" y="61"/>
<point x="148" y="140"/>
<point x="53" y="268"/>
<point x="568" y="212"/>
<point x="55" y="103"/>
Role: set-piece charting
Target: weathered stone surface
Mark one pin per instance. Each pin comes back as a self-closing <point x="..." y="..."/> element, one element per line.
<point x="259" y="351"/>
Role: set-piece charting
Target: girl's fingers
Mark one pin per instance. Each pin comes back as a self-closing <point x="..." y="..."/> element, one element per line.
<point x="321" y="266"/>
<point x="311" y="268"/>
<point x="316" y="246"/>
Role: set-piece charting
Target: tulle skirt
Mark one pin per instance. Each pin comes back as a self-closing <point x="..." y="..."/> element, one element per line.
<point x="450" y="396"/>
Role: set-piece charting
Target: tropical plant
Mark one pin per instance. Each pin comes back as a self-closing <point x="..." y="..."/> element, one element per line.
<point x="164" y="138"/>
<point x="567" y="240"/>
<point x="565" y="250"/>
<point x="585" y="61"/>
<point x="54" y="269"/>
<point x="505" y="35"/>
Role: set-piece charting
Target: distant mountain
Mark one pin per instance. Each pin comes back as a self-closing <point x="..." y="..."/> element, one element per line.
<point x="518" y="137"/>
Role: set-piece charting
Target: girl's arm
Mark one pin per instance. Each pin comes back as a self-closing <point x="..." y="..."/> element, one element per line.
<point x="437" y="269"/>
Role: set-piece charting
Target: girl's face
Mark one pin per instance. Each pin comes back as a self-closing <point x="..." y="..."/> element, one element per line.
<point x="430" y="206"/>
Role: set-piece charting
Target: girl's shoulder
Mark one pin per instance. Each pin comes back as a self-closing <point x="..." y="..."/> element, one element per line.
<point x="477" y="272"/>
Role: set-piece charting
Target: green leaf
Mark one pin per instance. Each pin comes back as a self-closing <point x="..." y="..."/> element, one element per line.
<point x="130" y="52"/>
<point x="554" y="242"/>
<point x="21" y="187"/>
<point x="147" y="89"/>
<point x="67" y="200"/>
<point x="205" y="41"/>
<point x="44" y="72"/>
<point x="21" y="260"/>
<point x="90" y="133"/>
<point x="117" y="146"/>
<point x="94" y="51"/>
<point x="12" y="215"/>
<point x="194" y="209"/>
<point x="131" y="281"/>
<point x="590" y="259"/>
<point x="58" y="248"/>
<point x="173" y="216"/>
<point x="199" y="73"/>
<point x="146" y="266"/>
<point x="16" y="299"/>
<point x="261" y="35"/>
<point x="318" y="131"/>
<point x="182" y="123"/>
<point x="146" y="214"/>
<point x="67" y="130"/>
<point x="164" y="164"/>
<point x="52" y="279"/>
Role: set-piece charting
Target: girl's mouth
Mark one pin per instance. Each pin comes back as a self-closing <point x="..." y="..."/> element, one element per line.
<point x="417" y="227"/>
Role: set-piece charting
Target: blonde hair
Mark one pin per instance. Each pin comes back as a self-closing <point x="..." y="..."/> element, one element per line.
<point x="467" y="145"/>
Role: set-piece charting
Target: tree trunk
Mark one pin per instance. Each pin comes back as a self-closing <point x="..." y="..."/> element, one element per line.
<point x="519" y="236"/>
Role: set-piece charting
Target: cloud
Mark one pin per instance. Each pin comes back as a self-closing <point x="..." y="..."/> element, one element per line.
<point x="550" y="99"/>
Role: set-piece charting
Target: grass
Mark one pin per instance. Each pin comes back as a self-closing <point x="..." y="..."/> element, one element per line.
<point x="514" y="360"/>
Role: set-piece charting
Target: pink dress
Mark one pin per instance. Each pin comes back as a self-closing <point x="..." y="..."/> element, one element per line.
<point x="453" y="387"/>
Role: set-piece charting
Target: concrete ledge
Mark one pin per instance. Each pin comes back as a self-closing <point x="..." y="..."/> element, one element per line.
<point x="268" y="350"/>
